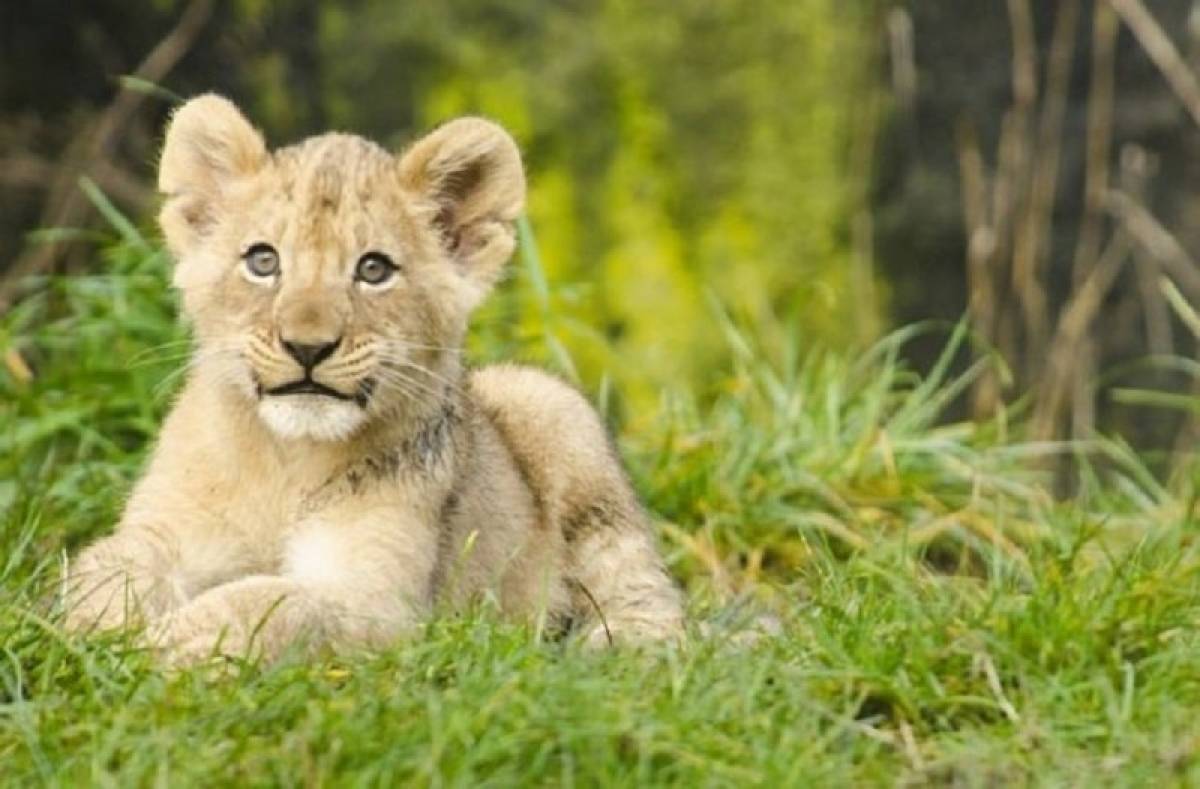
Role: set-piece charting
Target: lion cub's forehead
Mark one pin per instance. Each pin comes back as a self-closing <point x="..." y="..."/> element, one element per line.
<point x="324" y="173"/>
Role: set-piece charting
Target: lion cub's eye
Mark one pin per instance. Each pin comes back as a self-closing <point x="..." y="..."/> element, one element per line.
<point x="262" y="261"/>
<point x="374" y="268"/>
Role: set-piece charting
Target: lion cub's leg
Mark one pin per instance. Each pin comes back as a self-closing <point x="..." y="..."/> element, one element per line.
<point x="621" y="589"/>
<point x="146" y="569"/>
<point x="610" y="560"/>
<point x="356" y="576"/>
<point x="122" y="580"/>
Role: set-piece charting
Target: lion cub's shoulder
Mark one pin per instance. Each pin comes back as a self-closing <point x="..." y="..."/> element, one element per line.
<point x="545" y="421"/>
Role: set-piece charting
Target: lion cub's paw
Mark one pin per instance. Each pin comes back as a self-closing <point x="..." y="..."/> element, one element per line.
<point x="180" y="643"/>
<point x="627" y="634"/>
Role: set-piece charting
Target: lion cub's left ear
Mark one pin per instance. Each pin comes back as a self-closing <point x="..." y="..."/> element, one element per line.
<point x="470" y="171"/>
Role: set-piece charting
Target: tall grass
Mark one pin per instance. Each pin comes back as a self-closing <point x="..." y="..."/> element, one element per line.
<point x="934" y="614"/>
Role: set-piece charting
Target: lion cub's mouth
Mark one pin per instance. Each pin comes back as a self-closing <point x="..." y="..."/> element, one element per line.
<point x="310" y="387"/>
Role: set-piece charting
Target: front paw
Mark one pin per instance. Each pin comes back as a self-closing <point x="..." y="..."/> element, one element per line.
<point x="101" y="610"/>
<point x="251" y="618"/>
<point x="181" y="644"/>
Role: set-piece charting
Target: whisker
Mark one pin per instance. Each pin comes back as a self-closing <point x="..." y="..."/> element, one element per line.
<point x="398" y="378"/>
<point x="403" y="386"/>
<point x="409" y="364"/>
<point x="436" y="377"/>
<point x="420" y="347"/>
<point x="201" y="356"/>
<point x="178" y="349"/>
<point x="403" y="365"/>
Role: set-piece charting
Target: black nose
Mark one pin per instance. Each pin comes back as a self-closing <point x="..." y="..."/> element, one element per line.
<point x="309" y="356"/>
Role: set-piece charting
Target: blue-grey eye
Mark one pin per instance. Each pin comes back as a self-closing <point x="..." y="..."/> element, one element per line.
<point x="261" y="260"/>
<point x="374" y="268"/>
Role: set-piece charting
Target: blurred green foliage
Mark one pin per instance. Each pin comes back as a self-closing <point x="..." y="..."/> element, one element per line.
<point x="673" y="150"/>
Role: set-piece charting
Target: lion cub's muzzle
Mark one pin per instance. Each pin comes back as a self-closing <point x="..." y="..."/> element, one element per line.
<point x="309" y="356"/>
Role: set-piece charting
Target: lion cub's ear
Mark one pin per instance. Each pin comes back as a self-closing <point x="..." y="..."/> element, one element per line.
<point x="209" y="144"/>
<point x="470" y="170"/>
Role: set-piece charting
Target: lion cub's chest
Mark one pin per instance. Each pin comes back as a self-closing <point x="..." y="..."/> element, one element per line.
<point x="315" y="523"/>
<point x="297" y="517"/>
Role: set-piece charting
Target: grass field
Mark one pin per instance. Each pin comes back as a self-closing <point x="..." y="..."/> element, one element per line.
<point x="876" y="596"/>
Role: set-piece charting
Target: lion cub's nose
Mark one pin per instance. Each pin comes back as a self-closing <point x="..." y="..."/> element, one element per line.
<point x="310" y="355"/>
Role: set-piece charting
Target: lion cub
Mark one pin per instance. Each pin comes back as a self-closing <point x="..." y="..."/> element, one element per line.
<point x="331" y="472"/>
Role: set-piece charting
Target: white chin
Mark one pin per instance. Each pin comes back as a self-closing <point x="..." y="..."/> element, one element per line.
<point x="315" y="417"/>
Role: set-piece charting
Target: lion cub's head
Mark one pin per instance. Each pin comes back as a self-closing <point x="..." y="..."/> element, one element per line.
<point x="329" y="282"/>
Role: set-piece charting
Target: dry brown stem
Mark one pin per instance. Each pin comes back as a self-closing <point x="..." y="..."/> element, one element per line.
<point x="1148" y="233"/>
<point x="981" y="248"/>
<point x="1062" y="365"/>
<point x="1033" y="233"/>
<point x="1159" y="48"/>
<point x="1096" y="176"/>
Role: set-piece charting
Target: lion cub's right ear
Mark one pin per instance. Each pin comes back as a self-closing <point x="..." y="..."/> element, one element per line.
<point x="209" y="145"/>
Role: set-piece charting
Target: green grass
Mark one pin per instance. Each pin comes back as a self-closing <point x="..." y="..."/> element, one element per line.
<point x="941" y="618"/>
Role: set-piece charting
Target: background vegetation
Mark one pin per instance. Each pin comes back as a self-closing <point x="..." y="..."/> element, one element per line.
<point x="669" y="154"/>
<point x="958" y="551"/>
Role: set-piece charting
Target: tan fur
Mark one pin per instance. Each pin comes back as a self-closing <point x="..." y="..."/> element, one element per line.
<point x="266" y="521"/>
